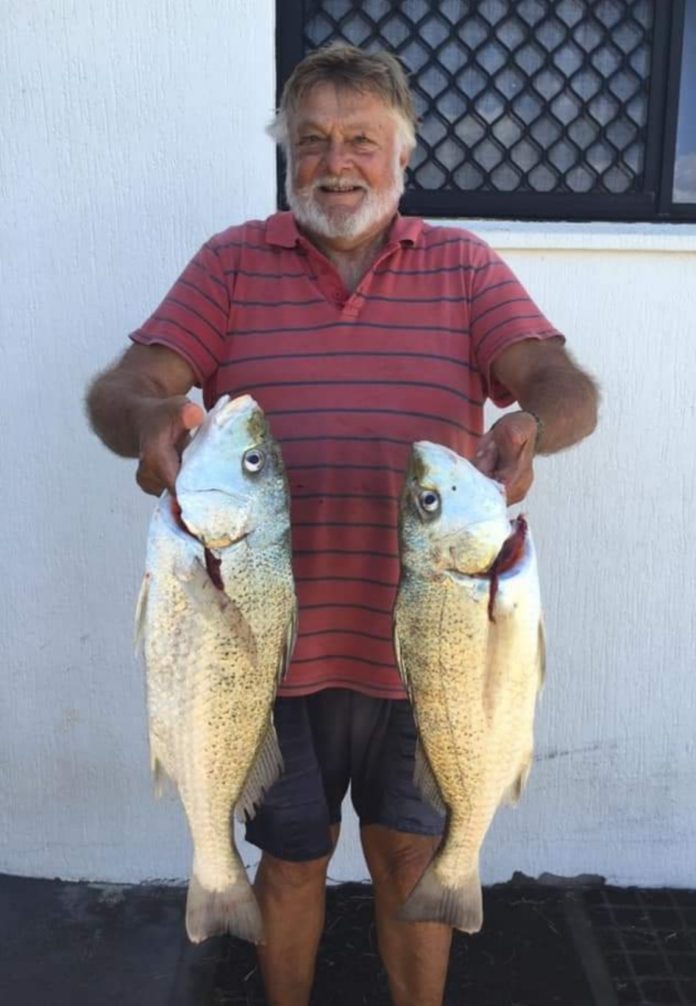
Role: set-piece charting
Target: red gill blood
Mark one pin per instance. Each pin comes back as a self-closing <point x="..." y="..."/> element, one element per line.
<point x="212" y="564"/>
<point x="509" y="555"/>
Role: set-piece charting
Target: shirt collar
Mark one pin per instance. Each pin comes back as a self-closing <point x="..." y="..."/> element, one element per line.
<point x="281" y="230"/>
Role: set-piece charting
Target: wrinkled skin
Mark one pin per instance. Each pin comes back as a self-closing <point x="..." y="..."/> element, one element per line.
<point x="506" y="454"/>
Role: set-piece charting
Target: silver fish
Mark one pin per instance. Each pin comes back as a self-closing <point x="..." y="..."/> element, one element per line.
<point x="470" y="646"/>
<point x="216" y="618"/>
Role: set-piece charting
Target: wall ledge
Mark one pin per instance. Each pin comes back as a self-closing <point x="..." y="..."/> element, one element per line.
<point x="620" y="237"/>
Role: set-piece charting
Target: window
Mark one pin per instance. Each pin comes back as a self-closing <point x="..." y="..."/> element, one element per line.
<point x="534" y="109"/>
<point x="685" y="164"/>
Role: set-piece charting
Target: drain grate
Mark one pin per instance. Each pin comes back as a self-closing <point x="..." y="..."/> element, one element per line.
<point x="648" y="941"/>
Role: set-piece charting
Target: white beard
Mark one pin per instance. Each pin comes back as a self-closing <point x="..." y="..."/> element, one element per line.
<point x="343" y="221"/>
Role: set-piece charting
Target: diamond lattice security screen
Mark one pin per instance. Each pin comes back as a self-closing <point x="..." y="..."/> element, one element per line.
<point x="533" y="95"/>
<point x="553" y="107"/>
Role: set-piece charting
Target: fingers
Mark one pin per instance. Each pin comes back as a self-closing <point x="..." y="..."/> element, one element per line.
<point x="192" y="415"/>
<point x="149" y="483"/>
<point x="517" y="479"/>
<point x="164" y="434"/>
<point x="486" y="456"/>
<point x="506" y="454"/>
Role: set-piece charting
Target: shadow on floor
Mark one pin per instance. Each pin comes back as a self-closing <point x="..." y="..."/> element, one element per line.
<point x="64" y="944"/>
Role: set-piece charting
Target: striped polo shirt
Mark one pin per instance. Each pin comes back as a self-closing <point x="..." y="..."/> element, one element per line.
<point x="348" y="381"/>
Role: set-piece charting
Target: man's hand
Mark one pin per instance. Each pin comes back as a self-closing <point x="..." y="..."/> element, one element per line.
<point x="165" y="424"/>
<point x="506" y="454"/>
<point x="139" y="409"/>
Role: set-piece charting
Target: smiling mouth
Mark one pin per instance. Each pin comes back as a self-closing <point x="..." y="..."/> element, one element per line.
<point x="342" y="190"/>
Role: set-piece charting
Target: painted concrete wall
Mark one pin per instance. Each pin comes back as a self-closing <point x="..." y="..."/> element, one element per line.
<point x="131" y="132"/>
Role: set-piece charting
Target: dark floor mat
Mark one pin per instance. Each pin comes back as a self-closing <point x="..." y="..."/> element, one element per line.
<point x="648" y="941"/>
<point x="525" y="955"/>
<point x="67" y="944"/>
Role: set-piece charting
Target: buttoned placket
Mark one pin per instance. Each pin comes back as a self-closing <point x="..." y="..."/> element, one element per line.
<point x="332" y="287"/>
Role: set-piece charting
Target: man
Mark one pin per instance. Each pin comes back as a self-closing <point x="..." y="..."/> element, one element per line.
<point x="358" y="331"/>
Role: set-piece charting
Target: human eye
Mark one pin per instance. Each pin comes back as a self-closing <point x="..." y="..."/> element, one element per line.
<point x="310" y="140"/>
<point x="362" y="141"/>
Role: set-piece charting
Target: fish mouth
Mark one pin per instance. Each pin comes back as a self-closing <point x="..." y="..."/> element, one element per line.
<point x="211" y="548"/>
<point x="506" y="559"/>
<point x="219" y="544"/>
<point x="208" y="543"/>
<point x="459" y="575"/>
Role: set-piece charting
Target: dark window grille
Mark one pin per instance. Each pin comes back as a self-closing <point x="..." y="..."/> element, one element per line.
<point x="547" y="109"/>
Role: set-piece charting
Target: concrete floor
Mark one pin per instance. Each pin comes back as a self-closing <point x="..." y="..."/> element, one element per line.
<point x="65" y="944"/>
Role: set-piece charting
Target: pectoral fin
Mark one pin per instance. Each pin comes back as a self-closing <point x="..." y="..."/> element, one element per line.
<point x="200" y="590"/>
<point x="290" y="640"/>
<point x="141" y="614"/>
<point x="513" y="793"/>
<point x="212" y="603"/>
<point x="162" y="781"/>
<point x="542" y="654"/>
<point x="400" y="661"/>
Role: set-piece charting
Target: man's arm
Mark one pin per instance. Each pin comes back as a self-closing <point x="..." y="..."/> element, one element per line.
<point x="139" y="409"/>
<point x="546" y="381"/>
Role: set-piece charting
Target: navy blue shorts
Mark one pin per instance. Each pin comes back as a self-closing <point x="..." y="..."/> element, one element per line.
<point x="330" y="740"/>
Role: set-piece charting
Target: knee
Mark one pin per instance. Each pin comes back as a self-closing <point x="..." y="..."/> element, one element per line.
<point x="398" y="859"/>
<point x="286" y="875"/>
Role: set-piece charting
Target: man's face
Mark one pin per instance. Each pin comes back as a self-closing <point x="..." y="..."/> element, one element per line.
<point x="346" y="163"/>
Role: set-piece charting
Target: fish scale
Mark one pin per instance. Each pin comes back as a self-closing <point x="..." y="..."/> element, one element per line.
<point x="469" y="642"/>
<point x="216" y="618"/>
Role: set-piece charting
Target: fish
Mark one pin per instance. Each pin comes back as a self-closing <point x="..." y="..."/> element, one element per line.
<point x="469" y="644"/>
<point x="216" y="623"/>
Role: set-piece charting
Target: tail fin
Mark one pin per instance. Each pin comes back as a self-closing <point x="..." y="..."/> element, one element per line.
<point x="233" y="910"/>
<point x="431" y="901"/>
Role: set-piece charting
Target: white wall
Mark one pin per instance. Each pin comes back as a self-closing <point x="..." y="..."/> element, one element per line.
<point x="130" y="132"/>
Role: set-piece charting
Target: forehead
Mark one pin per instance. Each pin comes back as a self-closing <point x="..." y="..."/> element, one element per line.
<point x="329" y="104"/>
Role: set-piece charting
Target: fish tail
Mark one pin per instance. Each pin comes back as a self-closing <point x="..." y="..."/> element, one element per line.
<point x="233" y="910"/>
<point x="431" y="901"/>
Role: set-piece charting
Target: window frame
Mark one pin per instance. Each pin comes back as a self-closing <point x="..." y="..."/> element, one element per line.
<point x="654" y="204"/>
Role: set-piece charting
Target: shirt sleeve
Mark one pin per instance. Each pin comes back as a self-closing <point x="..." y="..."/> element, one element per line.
<point x="193" y="317"/>
<point x="501" y="312"/>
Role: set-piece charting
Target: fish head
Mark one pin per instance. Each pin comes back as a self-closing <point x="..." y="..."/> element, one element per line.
<point x="453" y="519"/>
<point x="232" y="479"/>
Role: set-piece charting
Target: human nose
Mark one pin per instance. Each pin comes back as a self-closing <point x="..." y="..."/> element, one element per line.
<point x="336" y="157"/>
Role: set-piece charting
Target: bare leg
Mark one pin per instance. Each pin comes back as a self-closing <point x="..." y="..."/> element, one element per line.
<point x="292" y="901"/>
<point x="415" y="954"/>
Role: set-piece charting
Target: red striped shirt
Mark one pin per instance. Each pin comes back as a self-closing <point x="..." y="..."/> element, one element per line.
<point x="348" y="382"/>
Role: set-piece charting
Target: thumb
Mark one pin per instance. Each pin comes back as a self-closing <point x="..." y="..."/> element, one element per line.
<point x="191" y="415"/>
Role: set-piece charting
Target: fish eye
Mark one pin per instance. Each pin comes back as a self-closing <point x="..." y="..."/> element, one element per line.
<point x="253" y="459"/>
<point x="429" y="501"/>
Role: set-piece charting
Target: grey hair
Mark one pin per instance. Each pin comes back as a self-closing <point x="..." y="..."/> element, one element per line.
<point x="351" y="68"/>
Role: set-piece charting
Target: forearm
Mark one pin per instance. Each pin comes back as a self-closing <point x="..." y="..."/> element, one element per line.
<point x="565" y="401"/>
<point x="140" y="396"/>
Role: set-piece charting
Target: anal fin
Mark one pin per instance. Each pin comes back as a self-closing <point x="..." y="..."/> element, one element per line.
<point x="425" y="781"/>
<point x="264" y="771"/>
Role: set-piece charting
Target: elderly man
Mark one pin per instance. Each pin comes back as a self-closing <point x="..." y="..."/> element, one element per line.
<point x="358" y="331"/>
